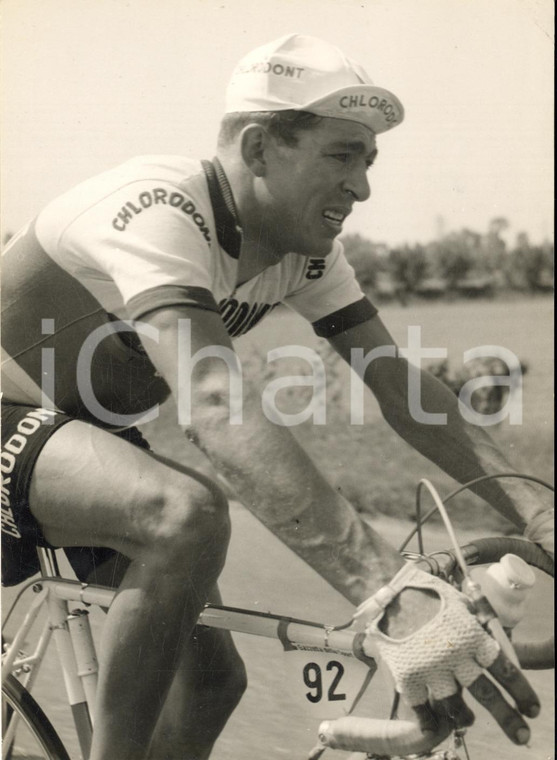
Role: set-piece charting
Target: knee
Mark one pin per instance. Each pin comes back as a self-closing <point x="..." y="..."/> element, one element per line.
<point x="189" y="516"/>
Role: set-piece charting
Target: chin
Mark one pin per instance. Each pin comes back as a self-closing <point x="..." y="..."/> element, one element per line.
<point x="312" y="248"/>
<point x="323" y="249"/>
<point x="319" y="248"/>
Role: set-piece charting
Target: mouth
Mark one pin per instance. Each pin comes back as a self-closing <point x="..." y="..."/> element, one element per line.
<point x="334" y="218"/>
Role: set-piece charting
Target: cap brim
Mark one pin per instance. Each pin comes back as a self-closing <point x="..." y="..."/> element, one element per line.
<point x="376" y="108"/>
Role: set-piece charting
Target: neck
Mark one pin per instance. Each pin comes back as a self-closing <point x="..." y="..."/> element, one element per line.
<point x="258" y="250"/>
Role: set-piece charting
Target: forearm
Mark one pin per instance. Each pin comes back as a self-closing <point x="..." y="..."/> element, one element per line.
<point x="276" y="479"/>
<point x="270" y="472"/>
<point x="463" y="450"/>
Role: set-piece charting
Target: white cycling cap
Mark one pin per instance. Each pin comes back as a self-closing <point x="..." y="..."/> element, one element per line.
<point x="307" y="74"/>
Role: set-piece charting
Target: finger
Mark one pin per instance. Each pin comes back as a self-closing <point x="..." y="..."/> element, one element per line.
<point x="413" y="690"/>
<point x="489" y="696"/>
<point x="454" y="710"/>
<point x="427" y="718"/>
<point x="516" y="683"/>
<point x="486" y="652"/>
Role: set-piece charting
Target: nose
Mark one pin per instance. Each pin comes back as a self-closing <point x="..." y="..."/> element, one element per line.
<point x="356" y="183"/>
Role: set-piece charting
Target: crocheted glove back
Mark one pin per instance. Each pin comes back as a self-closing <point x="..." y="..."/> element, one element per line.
<point x="451" y="649"/>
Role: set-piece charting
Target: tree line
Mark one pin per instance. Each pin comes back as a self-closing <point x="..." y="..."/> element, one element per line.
<point x="463" y="262"/>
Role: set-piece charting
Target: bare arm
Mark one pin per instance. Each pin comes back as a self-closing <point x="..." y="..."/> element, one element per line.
<point x="275" y="478"/>
<point x="462" y="450"/>
<point x="272" y="475"/>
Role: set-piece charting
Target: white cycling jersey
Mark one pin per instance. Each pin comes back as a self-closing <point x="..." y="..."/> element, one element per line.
<point x="154" y="232"/>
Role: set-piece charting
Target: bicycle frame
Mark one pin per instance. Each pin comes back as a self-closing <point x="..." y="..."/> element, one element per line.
<point x="72" y="636"/>
<point x="71" y="631"/>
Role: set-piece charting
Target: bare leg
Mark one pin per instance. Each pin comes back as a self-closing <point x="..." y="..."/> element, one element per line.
<point x="91" y="488"/>
<point x="208" y="685"/>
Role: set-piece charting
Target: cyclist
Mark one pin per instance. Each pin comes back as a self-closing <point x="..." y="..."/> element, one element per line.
<point x="192" y="254"/>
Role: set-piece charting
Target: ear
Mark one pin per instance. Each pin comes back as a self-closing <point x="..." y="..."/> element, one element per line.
<point x="254" y="144"/>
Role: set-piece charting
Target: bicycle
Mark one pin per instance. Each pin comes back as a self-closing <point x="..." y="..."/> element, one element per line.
<point x="331" y="671"/>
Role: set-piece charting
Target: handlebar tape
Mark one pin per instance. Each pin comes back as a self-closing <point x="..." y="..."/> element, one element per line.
<point x="382" y="737"/>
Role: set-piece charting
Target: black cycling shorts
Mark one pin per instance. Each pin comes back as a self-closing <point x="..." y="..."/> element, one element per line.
<point x="25" y="430"/>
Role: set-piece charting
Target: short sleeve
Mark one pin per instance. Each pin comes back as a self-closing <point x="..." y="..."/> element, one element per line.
<point x="151" y="239"/>
<point x="328" y="294"/>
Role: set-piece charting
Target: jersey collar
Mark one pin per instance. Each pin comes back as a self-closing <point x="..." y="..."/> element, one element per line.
<point x="229" y="233"/>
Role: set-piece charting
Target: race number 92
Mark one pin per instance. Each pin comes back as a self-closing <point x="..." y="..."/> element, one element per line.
<point x="324" y="684"/>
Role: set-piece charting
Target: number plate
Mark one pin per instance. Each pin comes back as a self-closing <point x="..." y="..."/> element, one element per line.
<point x="323" y="684"/>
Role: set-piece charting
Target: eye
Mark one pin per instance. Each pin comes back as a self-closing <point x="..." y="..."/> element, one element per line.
<point x="342" y="157"/>
<point x="371" y="160"/>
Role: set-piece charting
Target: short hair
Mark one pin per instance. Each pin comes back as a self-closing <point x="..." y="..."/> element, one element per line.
<point x="282" y="125"/>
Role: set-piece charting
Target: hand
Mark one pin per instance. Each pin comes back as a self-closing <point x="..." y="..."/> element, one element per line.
<point x="434" y="646"/>
<point x="541" y="530"/>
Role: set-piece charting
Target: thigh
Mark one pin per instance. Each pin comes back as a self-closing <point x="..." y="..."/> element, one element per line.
<point x="91" y="488"/>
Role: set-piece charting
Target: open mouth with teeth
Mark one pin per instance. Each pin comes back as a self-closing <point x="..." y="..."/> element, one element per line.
<point x="336" y="218"/>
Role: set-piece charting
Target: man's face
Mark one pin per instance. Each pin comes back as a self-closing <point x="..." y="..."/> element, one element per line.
<point x="311" y="188"/>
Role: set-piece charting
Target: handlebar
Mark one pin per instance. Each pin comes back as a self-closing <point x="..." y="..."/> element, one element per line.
<point x="380" y="737"/>
<point x="400" y="738"/>
<point x="532" y="655"/>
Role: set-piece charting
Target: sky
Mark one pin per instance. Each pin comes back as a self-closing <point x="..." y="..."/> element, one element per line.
<point x="87" y="84"/>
